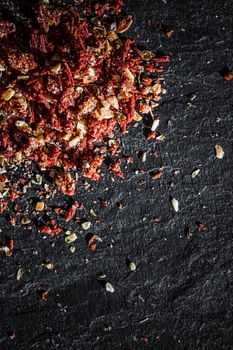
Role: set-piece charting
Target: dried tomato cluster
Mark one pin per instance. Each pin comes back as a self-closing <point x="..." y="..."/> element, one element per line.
<point x="67" y="83"/>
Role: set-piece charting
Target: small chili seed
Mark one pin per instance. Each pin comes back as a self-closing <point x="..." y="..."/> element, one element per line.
<point x="25" y="221"/>
<point x="86" y="225"/>
<point x="132" y="266"/>
<point x="219" y="151"/>
<point x="175" y="204"/>
<point x="109" y="288"/>
<point x="7" y="94"/>
<point x="40" y="206"/>
<point x="56" y="68"/>
<point x="71" y="238"/>
<point x="19" y="274"/>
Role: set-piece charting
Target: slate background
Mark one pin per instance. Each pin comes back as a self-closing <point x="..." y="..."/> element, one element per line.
<point x="183" y="286"/>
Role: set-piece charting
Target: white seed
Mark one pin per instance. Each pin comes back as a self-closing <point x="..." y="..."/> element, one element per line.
<point x="19" y="274"/>
<point x="86" y="225"/>
<point x="72" y="249"/>
<point x="195" y="173"/>
<point x="92" y="212"/>
<point x="143" y="157"/>
<point x="113" y="101"/>
<point x="74" y="142"/>
<point x="20" y="124"/>
<point x="161" y="138"/>
<point x="71" y="238"/>
<point x="132" y="266"/>
<point x="219" y="151"/>
<point x="109" y="287"/>
<point x="155" y="124"/>
<point x="129" y="75"/>
<point x="175" y="204"/>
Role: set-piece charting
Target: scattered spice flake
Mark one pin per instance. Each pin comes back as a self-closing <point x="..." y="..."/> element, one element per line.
<point x="105" y="203"/>
<point x="144" y="339"/>
<point x="151" y="135"/>
<point x="195" y="173"/>
<point x="144" y="320"/>
<point x="161" y="138"/>
<point x="43" y="294"/>
<point x="124" y="24"/>
<point x="202" y="227"/>
<point x="11" y="245"/>
<point x="157" y="175"/>
<point x="71" y="212"/>
<point x="132" y="266"/>
<point x="228" y="76"/>
<point x="90" y="242"/>
<point x="149" y="22"/>
<point x="219" y="151"/>
<point x="12" y="335"/>
<point x="109" y="288"/>
<point x="19" y="274"/>
<point x="86" y="225"/>
<point x="168" y="32"/>
<point x="48" y="265"/>
<point x="71" y="238"/>
<point x="92" y="212"/>
<point x="155" y="124"/>
<point x="40" y="206"/>
<point x="175" y="204"/>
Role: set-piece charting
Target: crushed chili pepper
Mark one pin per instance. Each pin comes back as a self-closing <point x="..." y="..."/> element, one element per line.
<point x="228" y="76"/>
<point x="78" y="81"/>
<point x="166" y="30"/>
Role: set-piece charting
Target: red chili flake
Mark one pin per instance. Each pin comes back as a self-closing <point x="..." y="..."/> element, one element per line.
<point x="105" y="203"/>
<point x="149" y="22"/>
<point x="157" y="219"/>
<point x="93" y="246"/>
<point x="168" y="32"/>
<point x="71" y="212"/>
<point x="12" y="335"/>
<point x="115" y="168"/>
<point x="90" y="242"/>
<point x="228" y="76"/>
<point x="202" y="227"/>
<point x="144" y="339"/>
<point x="11" y="244"/>
<point x="43" y="294"/>
<point x="12" y="221"/>
<point x="151" y="135"/>
<point x="157" y="175"/>
<point x="57" y="230"/>
<point x="129" y="159"/>
<point x="155" y="153"/>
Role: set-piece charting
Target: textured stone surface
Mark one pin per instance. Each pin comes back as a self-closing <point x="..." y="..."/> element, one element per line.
<point x="183" y="287"/>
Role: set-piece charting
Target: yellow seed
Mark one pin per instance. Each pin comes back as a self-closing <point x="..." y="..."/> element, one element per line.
<point x="25" y="221"/>
<point x="39" y="206"/>
<point x="7" y="94"/>
<point x="18" y="156"/>
<point x="41" y="140"/>
<point x="56" y="68"/>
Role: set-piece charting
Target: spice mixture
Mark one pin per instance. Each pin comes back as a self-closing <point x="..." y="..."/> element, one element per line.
<point x="70" y="84"/>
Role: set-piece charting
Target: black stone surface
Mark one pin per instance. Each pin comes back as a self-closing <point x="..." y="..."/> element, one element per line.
<point x="182" y="287"/>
